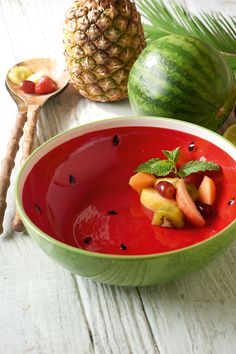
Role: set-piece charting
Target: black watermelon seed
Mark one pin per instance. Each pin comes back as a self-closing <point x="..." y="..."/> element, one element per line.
<point x="231" y="201"/>
<point x="115" y="140"/>
<point x="123" y="247"/>
<point x="88" y="239"/>
<point x="112" y="212"/>
<point x="191" y="146"/>
<point x="72" y="179"/>
<point x="37" y="208"/>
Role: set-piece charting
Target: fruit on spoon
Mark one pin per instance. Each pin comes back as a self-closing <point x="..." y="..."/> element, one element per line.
<point x="45" y="85"/>
<point x="36" y="76"/>
<point x="31" y="83"/>
<point x="19" y="73"/>
<point x="27" y="86"/>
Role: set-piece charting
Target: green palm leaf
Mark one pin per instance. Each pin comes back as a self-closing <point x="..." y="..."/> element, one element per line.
<point x="174" y="19"/>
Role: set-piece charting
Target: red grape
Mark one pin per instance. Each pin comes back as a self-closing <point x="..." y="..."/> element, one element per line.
<point x="166" y="189"/>
<point x="27" y="86"/>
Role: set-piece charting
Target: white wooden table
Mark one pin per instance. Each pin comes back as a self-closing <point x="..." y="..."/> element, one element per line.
<point x="43" y="308"/>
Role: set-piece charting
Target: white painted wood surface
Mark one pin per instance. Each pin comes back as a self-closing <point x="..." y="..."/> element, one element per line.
<point x="43" y="308"/>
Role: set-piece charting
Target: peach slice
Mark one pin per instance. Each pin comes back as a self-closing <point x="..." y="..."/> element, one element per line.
<point x="142" y="180"/>
<point x="207" y="191"/>
<point x="187" y="205"/>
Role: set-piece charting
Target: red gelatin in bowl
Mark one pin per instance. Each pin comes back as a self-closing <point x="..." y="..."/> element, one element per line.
<point x="78" y="193"/>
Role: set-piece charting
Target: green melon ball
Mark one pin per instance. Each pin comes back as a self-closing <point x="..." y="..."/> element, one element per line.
<point x="184" y="78"/>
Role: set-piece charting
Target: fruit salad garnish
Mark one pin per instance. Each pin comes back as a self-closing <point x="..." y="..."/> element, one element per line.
<point x="37" y="83"/>
<point x="170" y="192"/>
<point x="45" y="85"/>
<point x="19" y="73"/>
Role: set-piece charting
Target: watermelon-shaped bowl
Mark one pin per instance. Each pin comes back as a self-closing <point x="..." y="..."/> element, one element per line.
<point x="75" y="201"/>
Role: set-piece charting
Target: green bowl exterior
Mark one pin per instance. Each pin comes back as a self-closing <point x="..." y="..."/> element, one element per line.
<point x="136" y="270"/>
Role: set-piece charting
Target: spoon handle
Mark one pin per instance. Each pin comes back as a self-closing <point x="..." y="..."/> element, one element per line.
<point x="30" y="132"/>
<point x="27" y="148"/>
<point x="8" y="162"/>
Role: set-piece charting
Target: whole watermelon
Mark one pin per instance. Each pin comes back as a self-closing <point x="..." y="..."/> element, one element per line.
<point x="184" y="78"/>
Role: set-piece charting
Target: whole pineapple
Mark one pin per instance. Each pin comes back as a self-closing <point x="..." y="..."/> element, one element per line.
<point x="102" y="40"/>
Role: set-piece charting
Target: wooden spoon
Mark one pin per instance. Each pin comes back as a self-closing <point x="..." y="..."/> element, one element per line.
<point x="30" y="105"/>
<point x="8" y="162"/>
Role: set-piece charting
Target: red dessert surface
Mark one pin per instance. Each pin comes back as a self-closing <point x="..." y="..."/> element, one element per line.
<point x="78" y="193"/>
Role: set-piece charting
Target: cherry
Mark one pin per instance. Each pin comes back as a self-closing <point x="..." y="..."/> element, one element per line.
<point x="27" y="86"/>
<point x="166" y="189"/>
<point x="205" y="209"/>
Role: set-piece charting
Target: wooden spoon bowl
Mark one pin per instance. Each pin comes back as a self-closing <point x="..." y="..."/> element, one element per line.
<point x="52" y="67"/>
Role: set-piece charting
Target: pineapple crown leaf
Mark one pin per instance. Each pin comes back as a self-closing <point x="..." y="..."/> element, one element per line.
<point x="172" y="18"/>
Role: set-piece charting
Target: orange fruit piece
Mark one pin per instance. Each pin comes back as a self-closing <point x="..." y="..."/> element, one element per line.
<point x="142" y="180"/>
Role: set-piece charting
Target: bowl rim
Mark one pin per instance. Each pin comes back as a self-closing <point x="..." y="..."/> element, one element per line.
<point x="101" y="122"/>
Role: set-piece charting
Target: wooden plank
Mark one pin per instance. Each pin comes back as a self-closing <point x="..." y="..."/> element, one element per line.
<point x="196" y="314"/>
<point x="116" y="317"/>
<point x="39" y="308"/>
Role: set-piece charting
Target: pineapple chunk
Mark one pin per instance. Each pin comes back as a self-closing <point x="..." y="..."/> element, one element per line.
<point x="36" y="76"/>
<point x="19" y="73"/>
<point x="152" y="200"/>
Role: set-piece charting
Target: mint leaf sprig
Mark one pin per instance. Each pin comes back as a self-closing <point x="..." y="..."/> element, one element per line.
<point x="161" y="168"/>
<point x="197" y="166"/>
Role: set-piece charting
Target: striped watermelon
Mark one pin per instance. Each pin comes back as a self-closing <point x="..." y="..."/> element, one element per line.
<point x="184" y="78"/>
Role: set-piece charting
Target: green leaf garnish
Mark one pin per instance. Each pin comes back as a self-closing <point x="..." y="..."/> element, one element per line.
<point x="156" y="167"/>
<point x="172" y="155"/>
<point x="159" y="167"/>
<point x="148" y="166"/>
<point x="197" y="166"/>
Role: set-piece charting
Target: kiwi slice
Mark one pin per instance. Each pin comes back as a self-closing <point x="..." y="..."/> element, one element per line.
<point x="168" y="215"/>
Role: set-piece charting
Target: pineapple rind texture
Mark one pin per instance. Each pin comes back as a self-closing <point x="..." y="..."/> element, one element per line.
<point x="102" y="41"/>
